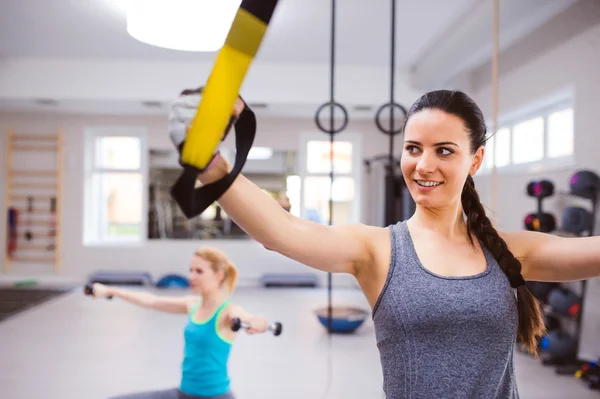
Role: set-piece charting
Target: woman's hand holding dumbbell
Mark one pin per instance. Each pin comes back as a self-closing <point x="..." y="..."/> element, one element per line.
<point x="256" y="325"/>
<point x="98" y="290"/>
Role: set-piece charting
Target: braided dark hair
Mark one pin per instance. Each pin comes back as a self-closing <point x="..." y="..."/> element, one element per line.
<point x="457" y="103"/>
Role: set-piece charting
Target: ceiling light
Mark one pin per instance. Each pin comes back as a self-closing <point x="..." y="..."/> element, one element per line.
<point x="185" y="25"/>
<point x="260" y="153"/>
<point x="119" y="5"/>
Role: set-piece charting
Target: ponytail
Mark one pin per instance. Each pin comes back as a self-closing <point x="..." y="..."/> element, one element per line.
<point x="231" y="276"/>
<point x="531" y="324"/>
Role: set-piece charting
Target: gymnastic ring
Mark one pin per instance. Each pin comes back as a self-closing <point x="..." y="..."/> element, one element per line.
<point x="389" y="132"/>
<point x="331" y="104"/>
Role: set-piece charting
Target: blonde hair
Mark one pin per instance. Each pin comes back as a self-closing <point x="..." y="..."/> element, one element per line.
<point x="219" y="261"/>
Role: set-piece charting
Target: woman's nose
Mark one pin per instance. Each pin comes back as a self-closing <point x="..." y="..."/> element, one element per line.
<point x="426" y="164"/>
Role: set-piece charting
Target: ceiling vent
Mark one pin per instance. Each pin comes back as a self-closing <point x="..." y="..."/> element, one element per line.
<point x="46" y="102"/>
<point x="152" y="104"/>
<point x="258" y="105"/>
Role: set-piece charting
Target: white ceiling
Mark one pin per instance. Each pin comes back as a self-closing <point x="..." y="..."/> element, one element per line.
<point x="435" y="41"/>
<point x="299" y="31"/>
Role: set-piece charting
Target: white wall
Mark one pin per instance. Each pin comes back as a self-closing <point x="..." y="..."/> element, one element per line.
<point x="563" y="55"/>
<point x="159" y="257"/>
<point x="74" y="81"/>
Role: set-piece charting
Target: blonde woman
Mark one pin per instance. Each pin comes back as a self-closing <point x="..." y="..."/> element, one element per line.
<point x="208" y="333"/>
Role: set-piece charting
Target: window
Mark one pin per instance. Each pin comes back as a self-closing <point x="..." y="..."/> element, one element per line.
<point x="560" y="133"/>
<point x="502" y="147"/>
<point x="115" y="182"/>
<point x="543" y="136"/>
<point x="318" y="157"/>
<point x="528" y="141"/>
<point x="315" y="181"/>
<point x="293" y="192"/>
<point x="500" y="144"/>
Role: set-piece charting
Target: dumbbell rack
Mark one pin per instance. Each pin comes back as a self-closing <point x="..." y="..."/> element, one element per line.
<point x="565" y="365"/>
<point x="570" y="365"/>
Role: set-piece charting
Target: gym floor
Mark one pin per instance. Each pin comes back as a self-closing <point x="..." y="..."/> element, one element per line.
<point x="75" y="347"/>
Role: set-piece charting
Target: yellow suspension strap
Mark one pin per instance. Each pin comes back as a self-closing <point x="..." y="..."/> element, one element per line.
<point x="213" y="117"/>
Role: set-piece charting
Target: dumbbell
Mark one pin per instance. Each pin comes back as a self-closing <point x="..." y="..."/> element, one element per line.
<point x="540" y="188"/>
<point x="577" y="220"/>
<point x="237" y="324"/>
<point x="543" y="222"/>
<point x="89" y="290"/>
<point x="585" y="183"/>
<point x="564" y="301"/>
<point x="558" y="343"/>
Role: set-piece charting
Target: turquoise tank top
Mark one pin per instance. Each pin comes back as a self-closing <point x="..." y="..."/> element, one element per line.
<point x="204" y="366"/>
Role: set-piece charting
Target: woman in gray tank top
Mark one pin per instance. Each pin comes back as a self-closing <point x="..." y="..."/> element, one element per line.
<point x="447" y="290"/>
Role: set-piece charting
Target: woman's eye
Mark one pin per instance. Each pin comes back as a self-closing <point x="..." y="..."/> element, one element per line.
<point x="411" y="149"/>
<point x="445" y="151"/>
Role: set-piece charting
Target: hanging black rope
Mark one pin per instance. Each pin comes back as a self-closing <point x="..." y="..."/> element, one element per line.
<point x="331" y="131"/>
<point x="391" y="186"/>
<point x="392" y="81"/>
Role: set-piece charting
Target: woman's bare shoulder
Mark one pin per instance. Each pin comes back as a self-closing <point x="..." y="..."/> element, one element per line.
<point x="371" y="275"/>
<point x="191" y="301"/>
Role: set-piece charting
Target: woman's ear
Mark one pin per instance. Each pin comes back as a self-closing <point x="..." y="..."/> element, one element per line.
<point x="220" y="274"/>
<point x="477" y="160"/>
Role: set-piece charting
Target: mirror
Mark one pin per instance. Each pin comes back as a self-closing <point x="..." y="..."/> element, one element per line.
<point x="268" y="168"/>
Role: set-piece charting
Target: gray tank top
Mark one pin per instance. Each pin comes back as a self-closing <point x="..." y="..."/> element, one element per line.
<point x="444" y="337"/>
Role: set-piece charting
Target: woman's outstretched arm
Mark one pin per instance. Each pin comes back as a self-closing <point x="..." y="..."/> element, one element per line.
<point x="146" y="299"/>
<point x="337" y="249"/>
<point x="546" y="257"/>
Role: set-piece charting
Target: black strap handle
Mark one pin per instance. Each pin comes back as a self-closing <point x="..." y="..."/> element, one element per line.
<point x="193" y="201"/>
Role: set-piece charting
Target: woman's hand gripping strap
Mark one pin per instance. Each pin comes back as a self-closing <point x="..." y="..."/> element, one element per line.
<point x="194" y="200"/>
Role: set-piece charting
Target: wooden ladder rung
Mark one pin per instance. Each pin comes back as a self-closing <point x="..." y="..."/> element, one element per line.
<point x="23" y="212"/>
<point x="33" y="137"/>
<point x="39" y="234"/>
<point x="32" y="247"/>
<point x="33" y="148"/>
<point x="39" y="259"/>
<point x="35" y="197"/>
<point x="33" y="185"/>
<point x="33" y="223"/>
<point x="36" y="173"/>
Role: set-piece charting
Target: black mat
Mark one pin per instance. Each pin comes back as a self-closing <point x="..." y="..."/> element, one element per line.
<point x="16" y="300"/>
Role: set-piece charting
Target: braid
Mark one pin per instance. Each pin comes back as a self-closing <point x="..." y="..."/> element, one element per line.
<point x="531" y="325"/>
